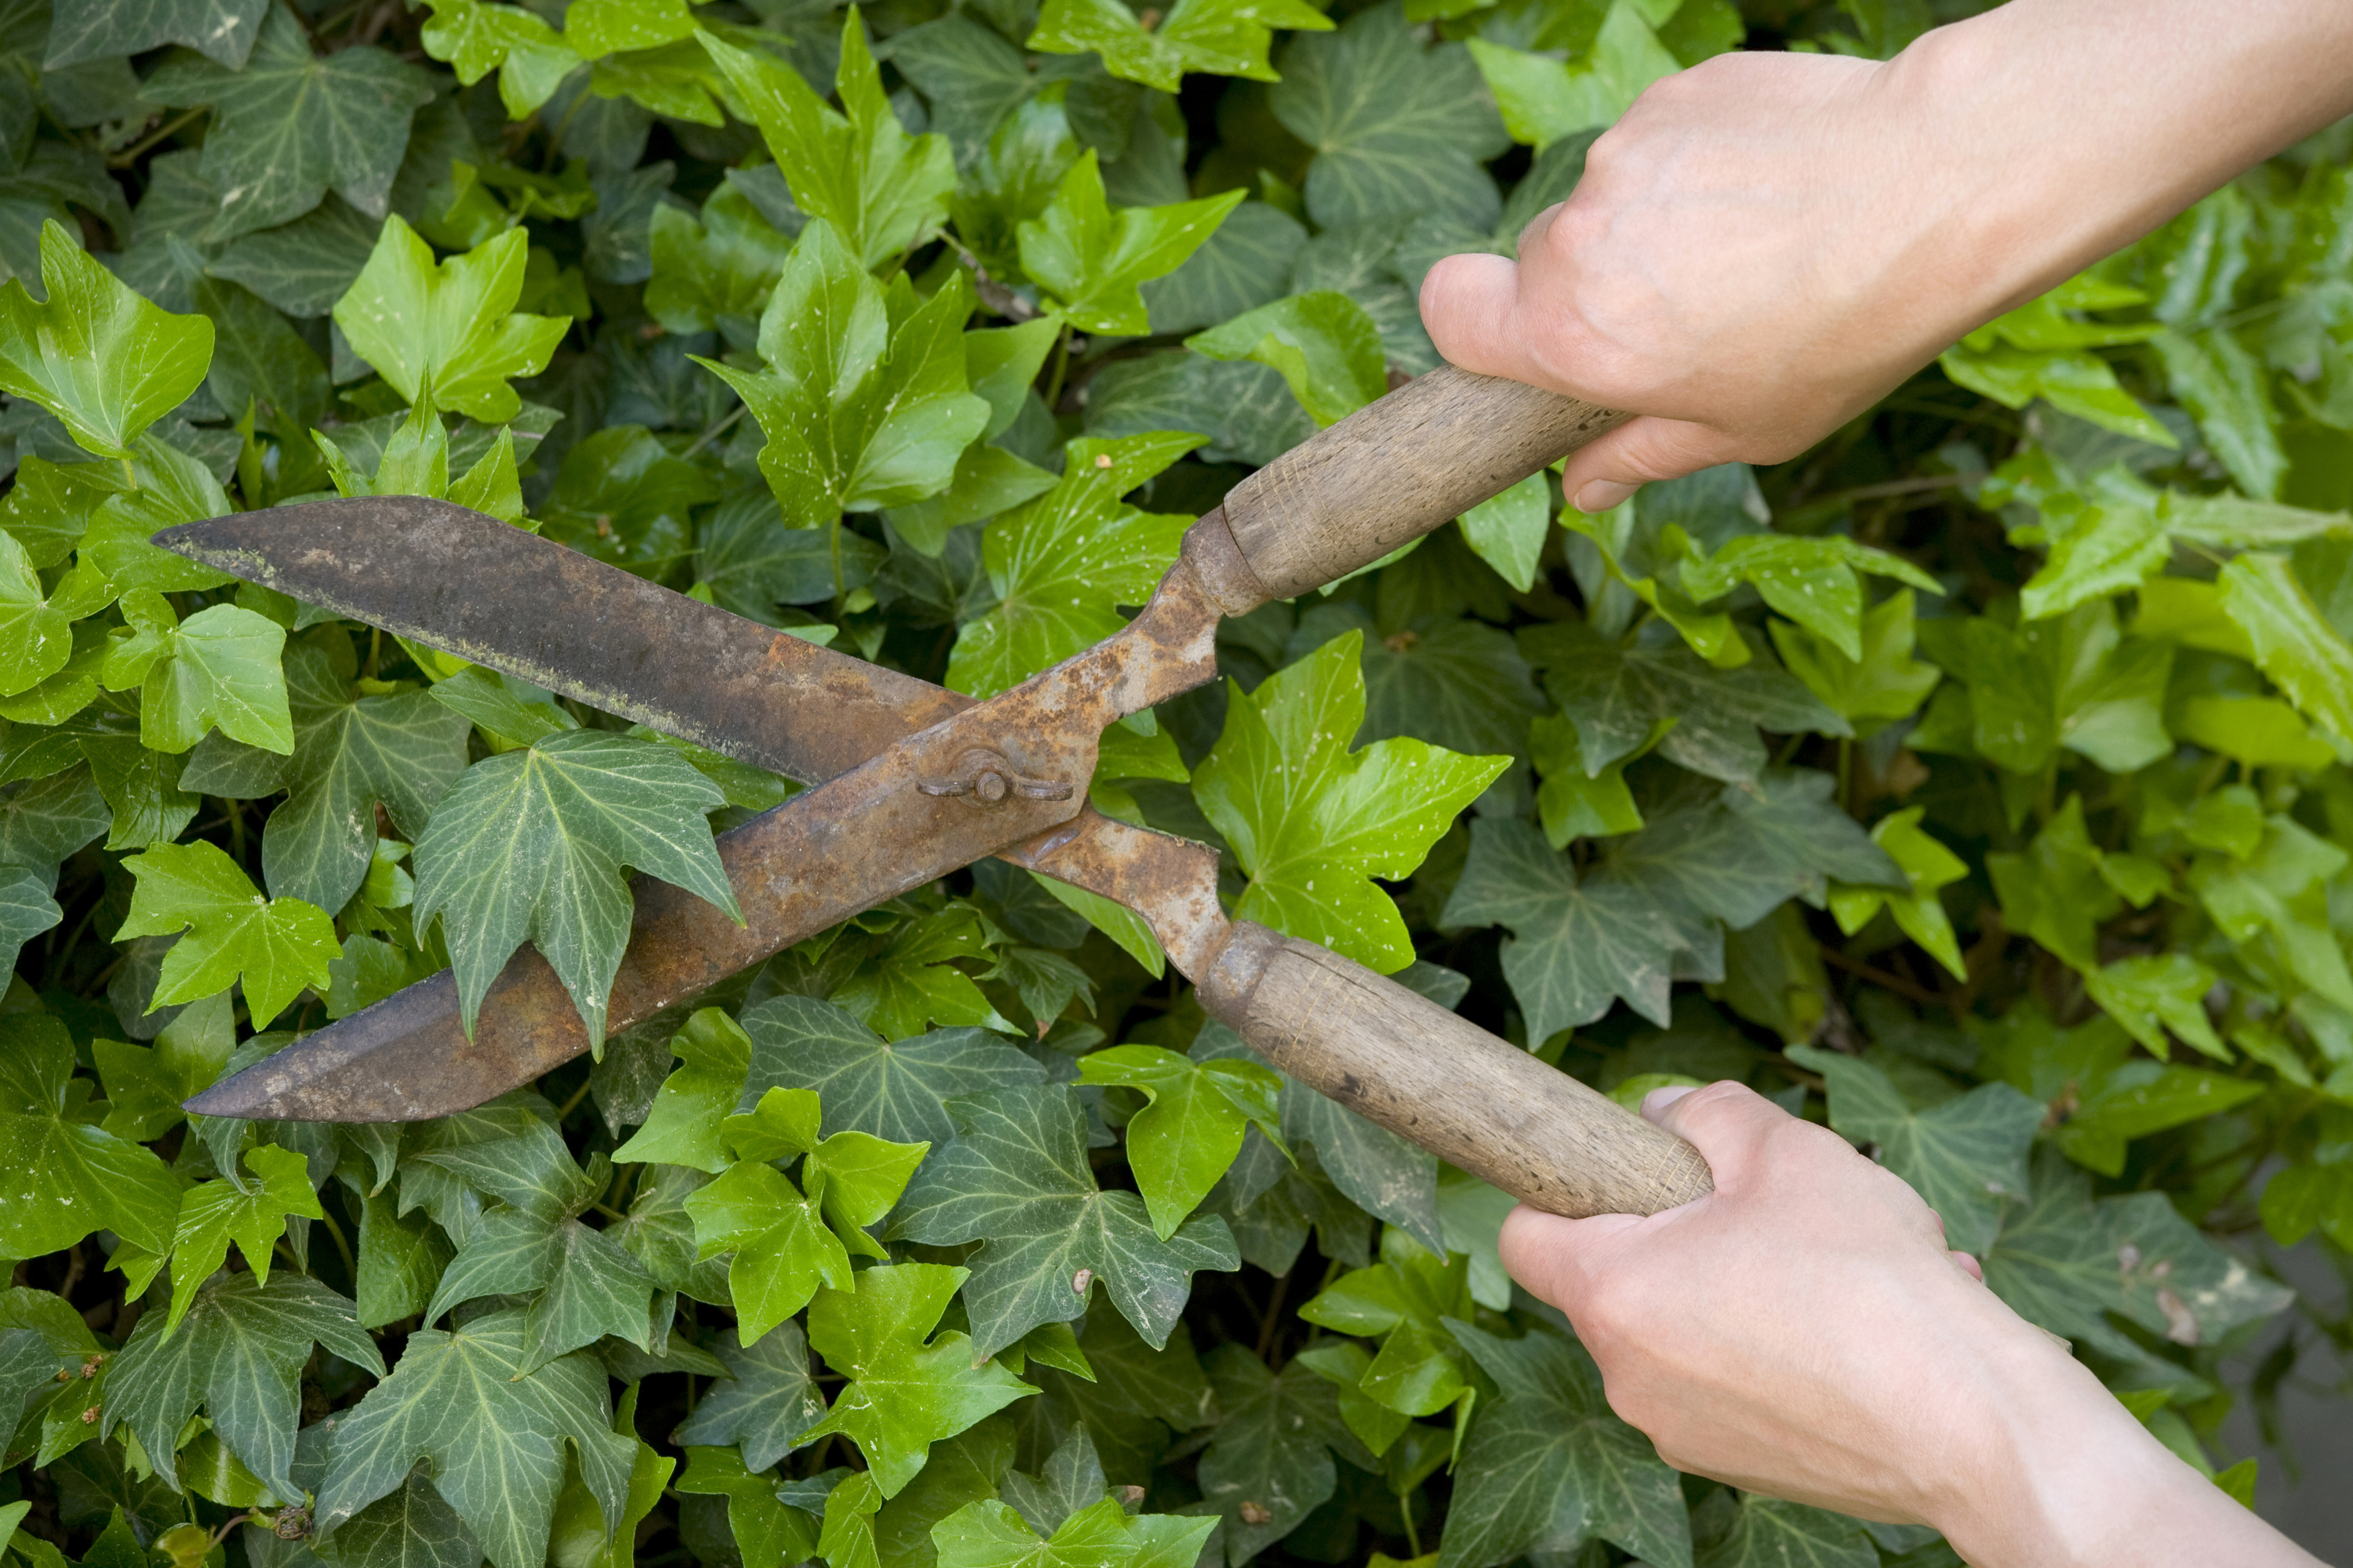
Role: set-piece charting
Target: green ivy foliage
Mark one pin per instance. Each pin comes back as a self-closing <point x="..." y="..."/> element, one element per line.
<point x="1978" y="783"/>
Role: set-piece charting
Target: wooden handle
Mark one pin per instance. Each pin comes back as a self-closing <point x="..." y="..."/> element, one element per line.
<point x="1396" y="470"/>
<point x="1425" y="1074"/>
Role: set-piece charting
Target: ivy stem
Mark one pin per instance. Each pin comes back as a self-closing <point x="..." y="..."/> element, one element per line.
<point x="335" y="1233"/>
<point x="718" y="427"/>
<point x="133" y="153"/>
<point x="573" y="1104"/>
<point x="1412" y="1536"/>
<point x="1846" y="774"/>
<point x="1062" y="367"/>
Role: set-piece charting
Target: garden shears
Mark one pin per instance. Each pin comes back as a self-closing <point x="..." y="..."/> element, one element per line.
<point x="910" y="782"/>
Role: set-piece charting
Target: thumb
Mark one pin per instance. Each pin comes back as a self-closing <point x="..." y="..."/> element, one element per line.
<point x="1550" y="1256"/>
<point x="1606" y="471"/>
<point x="1470" y="306"/>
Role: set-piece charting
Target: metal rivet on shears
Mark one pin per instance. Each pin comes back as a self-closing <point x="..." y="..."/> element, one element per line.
<point x="989" y="778"/>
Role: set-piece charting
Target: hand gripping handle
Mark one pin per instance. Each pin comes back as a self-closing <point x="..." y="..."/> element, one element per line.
<point x="1425" y="1074"/>
<point x="1394" y="470"/>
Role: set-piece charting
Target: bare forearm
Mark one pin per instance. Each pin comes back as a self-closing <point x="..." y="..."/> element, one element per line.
<point x="2082" y="124"/>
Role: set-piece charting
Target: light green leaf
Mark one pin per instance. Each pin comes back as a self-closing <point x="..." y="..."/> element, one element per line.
<point x="906" y="1390"/>
<point x="1883" y="681"/>
<point x="1063" y="563"/>
<point x="1814" y="581"/>
<point x="1314" y="822"/>
<point x="275" y="947"/>
<point x="1507" y="531"/>
<point x="1572" y="804"/>
<point x="911" y="980"/>
<point x="104" y="361"/>
<point x="1090" y="259"/>
<point x="1543" y="100"/>
<point x="1226" y="38"/>
<point x="682" y="1129"/>
<point x="2293" y="644"/>
<point x="213" y="1213"/>
<point x="63" y="1177"/>
<point x="882" y="191"/>
<point x="864" y="404"/>
<point x="1187" y="1136"/>
<point x="529" y="845"/>
<point x="1929" y="866"/>
<point x="1103" y="1535"/>
<point x="1326" y="348"/>
<point x="767" y="1533"/>
<point x="1017" y="1179"/>
<point x="448" y="325"/>
<point x="221" y="668"/>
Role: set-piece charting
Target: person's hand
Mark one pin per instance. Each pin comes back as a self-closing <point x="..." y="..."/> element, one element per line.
<point x="1804" y="1332"/>
<point x="1766" y="245"/>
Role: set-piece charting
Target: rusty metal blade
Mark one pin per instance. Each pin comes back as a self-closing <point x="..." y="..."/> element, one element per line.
<point x="852" y="842"/>
<point x="441" y="574"/>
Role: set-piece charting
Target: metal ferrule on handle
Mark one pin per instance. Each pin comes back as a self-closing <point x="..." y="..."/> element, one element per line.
<point x="1425" y="1074"/>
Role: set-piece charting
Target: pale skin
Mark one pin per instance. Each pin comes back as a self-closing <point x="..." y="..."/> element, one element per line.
<point x="1761" y="248"/>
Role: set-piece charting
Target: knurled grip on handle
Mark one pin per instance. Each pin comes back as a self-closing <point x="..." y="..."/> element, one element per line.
<point x="1397" y="469"/>
<point x="1428" y="1075"/>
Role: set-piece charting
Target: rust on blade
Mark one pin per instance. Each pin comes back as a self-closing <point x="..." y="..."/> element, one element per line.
<point x="440" y="574"/>
<point x="864" y="837"/>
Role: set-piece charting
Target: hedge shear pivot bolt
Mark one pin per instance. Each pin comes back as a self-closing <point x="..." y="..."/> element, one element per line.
<point x="989" y="778"/>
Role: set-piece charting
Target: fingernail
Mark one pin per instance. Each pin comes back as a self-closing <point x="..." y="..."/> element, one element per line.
<point x="1658" y="1099"/>
<point x="1600" y="495"/>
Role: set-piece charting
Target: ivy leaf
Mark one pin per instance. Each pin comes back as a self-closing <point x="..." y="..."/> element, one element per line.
<point x="864" y="402"/>
<point x="213" y="1213"/>
<point x="1929" y="866"/>
<point x="1768" y="1532"/>
<point x="1569" y="803"/>
<point x="221" y="668"/>
<point x="494" y="1434"/>
<point x="36" y="630"/>
<point x="1268" y="1465"/>
<point x="1814" y="581"/>
<point x="1508" y="530"/>
<point x="768" y="1534"/>
<point x="350" y="756"/>
<point x="1400" y="129"/>
<point x="1313" y="822"/>
<point x="100" y="29"/>
<point x="912" y="980"/>
<point x="682" y="1129"/>
<point x="450" y="325"/>
<point x="1405" y="1299"/>
<point x="905" y="1390"/>
<point x="104" y="361"/>
<point x="1187" y="1136"/>
<point x="1090" y="259"/>
<point x="1577" y="944"/>
<point x="896" y="1090"/>
<point x="991" y="1534"/>
<point x="277" y="947"/>
<point x="1245" y="264"/>
<point x="786" y="1245"/>
<point x="2293" y="644"/>
<point x="1016" y="1178"/>
<point x="1543" y="100"/>
<point x="1964" y="1155"/>
<point x="1880" y="682"/>
<point x="238" y="1354"/>
<point x="881" y="190"/>
<point x="587" y="1284"/>
<point x="529" y="845"/>
<point x="1063" y="563"/>
<point x="66" y="1178"/>
<point x="717" y="269"/>
<point x="1326" y="349"/>
<point x="290" y="124"/>
<point x="769" y="1400"/>
<point x="1548" y="1466"/>
<point x="1226" y="38"/>
<point x="1616" y="695"/>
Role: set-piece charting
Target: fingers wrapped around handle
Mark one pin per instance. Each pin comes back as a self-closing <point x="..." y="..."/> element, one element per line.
<point x="1428" y="1075"/>
<point x="1395" y="469"/>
